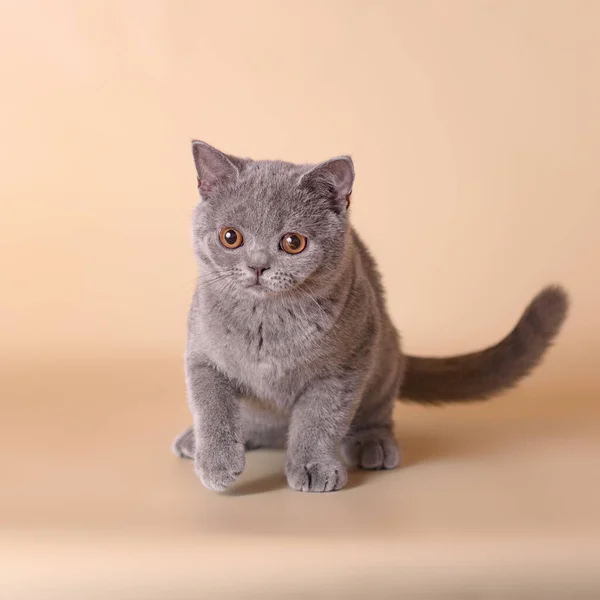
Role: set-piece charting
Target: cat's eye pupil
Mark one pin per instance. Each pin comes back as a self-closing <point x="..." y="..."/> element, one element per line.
<point x="293" y="243"/>
<point x="230" y="238"/>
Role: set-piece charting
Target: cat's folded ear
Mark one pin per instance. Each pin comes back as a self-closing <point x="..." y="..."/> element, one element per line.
<point x="332" y="180"/>
<point x="214" y="167"/>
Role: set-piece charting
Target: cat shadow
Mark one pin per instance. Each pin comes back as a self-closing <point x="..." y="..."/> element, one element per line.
<point x="261" y="485"/>
<point x="424" y="448"/>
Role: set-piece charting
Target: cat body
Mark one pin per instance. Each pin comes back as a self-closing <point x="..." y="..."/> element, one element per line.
<point x="289" y="341"/>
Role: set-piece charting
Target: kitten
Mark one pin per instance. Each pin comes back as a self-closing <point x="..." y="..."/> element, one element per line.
<point x="290" y="344"/>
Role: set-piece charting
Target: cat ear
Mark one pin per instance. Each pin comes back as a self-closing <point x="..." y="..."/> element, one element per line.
<point x="213" y="167"/>
<point x="237" y="162"/>
<point x="333" y="180"/>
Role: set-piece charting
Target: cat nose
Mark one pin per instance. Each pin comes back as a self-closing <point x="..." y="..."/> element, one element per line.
<point x="259" y="270"/>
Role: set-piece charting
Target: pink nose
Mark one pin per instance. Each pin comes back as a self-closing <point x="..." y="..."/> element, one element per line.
<point x="259" y="271"/>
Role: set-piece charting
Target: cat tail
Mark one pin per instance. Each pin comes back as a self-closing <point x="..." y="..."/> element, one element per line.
<point x="483" y="374"/>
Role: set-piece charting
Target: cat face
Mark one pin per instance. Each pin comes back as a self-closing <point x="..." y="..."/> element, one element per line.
<point x="269" y="226"/>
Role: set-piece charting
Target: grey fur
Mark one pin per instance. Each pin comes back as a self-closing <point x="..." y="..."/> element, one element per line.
<point x="309" y="359"/>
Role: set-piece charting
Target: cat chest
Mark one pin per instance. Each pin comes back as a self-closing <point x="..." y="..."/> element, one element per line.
<point x="270" y="359"/>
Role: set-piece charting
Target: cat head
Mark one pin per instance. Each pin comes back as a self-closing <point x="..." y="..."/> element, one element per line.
<point x="269" y="226"/>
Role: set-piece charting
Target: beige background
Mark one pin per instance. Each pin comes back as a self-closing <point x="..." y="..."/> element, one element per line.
<point x="475" y="130"/>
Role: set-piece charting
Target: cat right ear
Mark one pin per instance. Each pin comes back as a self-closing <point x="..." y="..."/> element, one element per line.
<point x="212" y="166"/>
<point x="333" y="181"/>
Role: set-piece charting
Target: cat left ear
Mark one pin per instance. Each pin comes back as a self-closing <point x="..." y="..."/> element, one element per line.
<point x="333" y="180"/>
<point x="213" y="166"/>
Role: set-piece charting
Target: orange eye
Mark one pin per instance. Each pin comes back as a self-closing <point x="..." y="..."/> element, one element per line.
<point x="231" y="238"/>
<point x="293" y="243"/>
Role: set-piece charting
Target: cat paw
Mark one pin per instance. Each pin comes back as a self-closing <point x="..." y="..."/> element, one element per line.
<point x="219" y="467"/>
<point x="184" y="445"/>
<point x="317" y="476"/>
<point x="371" y="449"/>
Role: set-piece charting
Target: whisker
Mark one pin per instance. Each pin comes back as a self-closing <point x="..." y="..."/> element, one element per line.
<point x="298" y="307"/>
<point x="321" y="309"/>
<point x="214" y="278"/>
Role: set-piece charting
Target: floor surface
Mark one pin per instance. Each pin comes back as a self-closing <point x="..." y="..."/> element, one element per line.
<point x="499" y="499"/>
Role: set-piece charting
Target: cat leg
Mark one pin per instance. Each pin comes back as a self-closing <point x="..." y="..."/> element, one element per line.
<point x="368" y="447"/>
<point x="262" y="429"/>
<point x="318" y="423"/>
<point x="214" y="402"/>
<point x="370" y="442"/>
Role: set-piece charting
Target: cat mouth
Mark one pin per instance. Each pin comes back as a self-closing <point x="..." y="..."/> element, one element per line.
<point x="258" y="286"/>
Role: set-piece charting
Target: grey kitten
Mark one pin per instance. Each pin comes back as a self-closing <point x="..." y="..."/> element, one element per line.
<point x="289" y="341"/>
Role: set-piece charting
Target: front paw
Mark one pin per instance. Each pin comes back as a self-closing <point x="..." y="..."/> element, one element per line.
<point x="316" y="476"/>
<point x="219" y="465"/>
